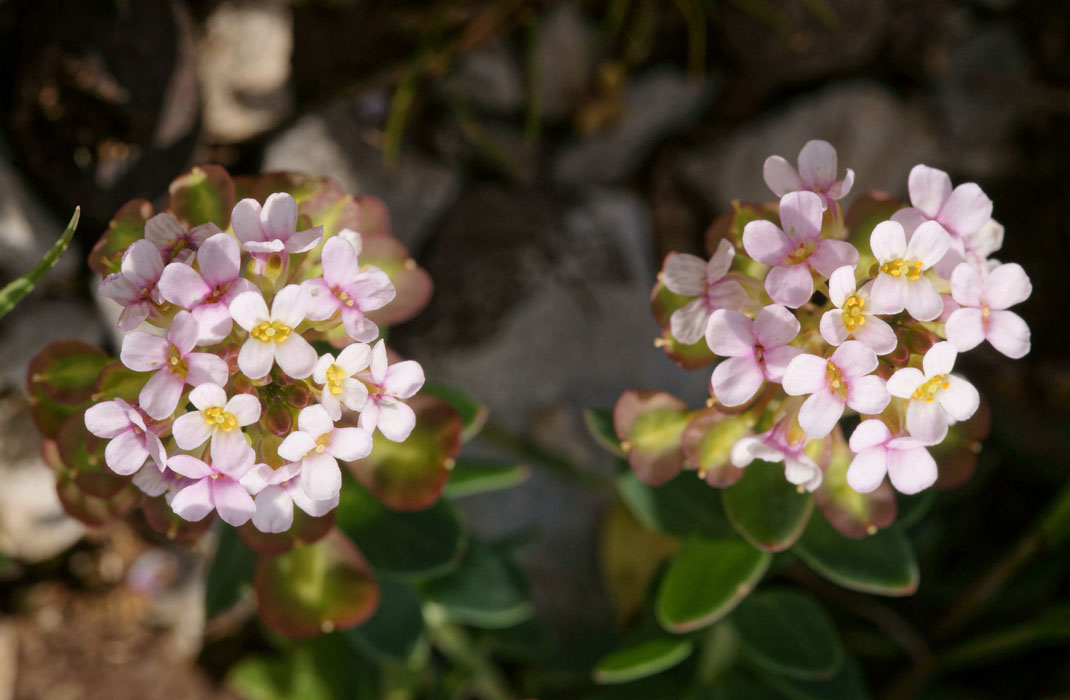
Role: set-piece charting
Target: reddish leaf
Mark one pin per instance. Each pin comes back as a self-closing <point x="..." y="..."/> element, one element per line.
<point x="412" y="282"/>
<point x="162" y="519"/>
<point x="650" y="425"/>
<point x="305" y="530"/>
<point x="66" y="371"/>
<point x="708" y="441"/>
<point x="853" y="514"/>
<point x="203" y="195"/>
<point x="83" y="456"/>
<point x="89" y="509"/>
<point x="956" y="456"/>
<point x="127" y="226"/>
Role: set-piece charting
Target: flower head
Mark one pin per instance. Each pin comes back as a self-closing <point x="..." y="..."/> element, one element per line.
<point x="900" y="283"/>
<point x="174" y="242"/>
<point x="217" y="418"/>
<point x="273" y="227"/>
<point x="853" y="315"/>
<point x="337" y="377"/>
<point x="756" y="350"/>
<point x="983" y="314"/>
<point x="904" y="459"/>
<point x="134" y="286"/>
<point x="348" y="290"/>
<point x="796" y="250"/>
<point x="214" y="486"/>
<point x="318" y="446"/>
<point x="692" y="276"/>
<point x="387" y="384"/>
<point x="131" y="440"/>
<point x="936" y="397"/>
<point x="277" y="492"/>
<point x="774" y="445"/>
<point x="816" y="173"/>
<point x="272" y="336"/>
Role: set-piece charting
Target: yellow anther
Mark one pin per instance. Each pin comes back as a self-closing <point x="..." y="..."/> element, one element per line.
<point x="802" y="252"/>
<point x="335" y="378"/>
<point x="216" y="417"/>
<point x="984" y="312"/>
<point x="625" y="445"/>
<point x="871" y="530"/>
<point x="853" y="312"/>
<point x="271" y="332"/>
<point x="178" y="363"/>
<point x="931" y="388"/>
<point x="901" y="267"/>
<point x="321" y="443"/>
<point x="660" y="342"/>
<point x="834" y="377"/>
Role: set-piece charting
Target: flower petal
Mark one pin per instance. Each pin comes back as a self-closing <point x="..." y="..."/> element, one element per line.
<point x="159" y="397"/>
<point x="888" y="294"/>
<point x="775" y="326"/>
<point x="802" y="471"/>
<point x="340" y="265"/>
<point x="780" y="177"/>
<point x="125" y="453"/>
<point x="875" y="333"/>
<point x="688" y="323"/>
<point x="304" y="241"/>
<point x="142" y="264"/>
<point x="830" y="255"/>
<point x="888" y="241"/>
<point x="378" y="365"/>
<point x="206" y="367"/>
<point x="404" y="379"/>
<point x="354" y="394"/>
<point x="191" y="430"/>
<point x="357" y="325"/>
<point x="245" y="408"/>
<point x="249" y="309"/>
<point x="911" y="470"/>
<point x="229" y="450"/>
<point x="965" y="328"/>
<point x="940" y="359"/>
<point x="819" y="413"/>
<point x="832" y="327"/>
<point x="255" y="358"/>
<point x="869" y="433"/>
<point x="842" y="284"/>
<point x="264" y="247"/>
<point x="194" y="502"/>
<point x="736" y="380"/>
<point x="868" y="395"/>
<point x="233" y="503"/>
<point x="213" y="323"/>
<point x="144" y="352"/>
<point x="966" y="285"/>
<point x="729" y="334"/>
<point x="106" y="419"/>
<point x="867" y="469"/>
<point x="278" y="218"/>
<point x="348" y="444"/>
<point x="245" y="218"/>
<point x="800" y="215"/>
<point x="792" y="285"/>
<point x="776" y="361"/>
<point x="854" y="359"/>
<point x="207" y="395"/>
<point x="219" y="259"/>
<point x="926" y="421"/>
<point x="320" y="477"/>
<point x="354" y="357"/>
<point x="290" y="306"/>
<point x="720" y="262"/>
<point x="274" y="510"/>
<point x="817" y="164"/>
<point x="314" y="421"/>
<point x="396" y="419"/>
<point x="296" y="445"/>
<point x="314" y="508"/>
<point x="966" y="210"/>
<point x="842" y="188"/>
<point x="804" y="375"/>
<point x="960" y="399"/>
<point x="929" y="189"/>
<point x="189" y="467"/>
<point x="929" y="244"/>
<point x="766" y="243"/>
<point x="904" y="382"/>
<point x="295" y="356"/>
<point x="987" y="240"/>
<point x="180" y="284"/>
<point x="1006" y="286"/>
<point x="1008" y="333"/>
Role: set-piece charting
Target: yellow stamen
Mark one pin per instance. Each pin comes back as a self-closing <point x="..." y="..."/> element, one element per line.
<point x="853" y="312"/>
<point x="216" y="417"/>
<point x="802" y="252"/>
<point x="834" y="377"/>
<point x="931" y="388"/>
<point x="178" y="364"/>
<point x="321" y="443"/>
<point x="901" y="267"/>
<point x="271" y="332"/>
<point x="335" y="377"/>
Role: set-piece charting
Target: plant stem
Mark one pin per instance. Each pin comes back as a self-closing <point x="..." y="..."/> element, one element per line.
<point x="452" y="640"/>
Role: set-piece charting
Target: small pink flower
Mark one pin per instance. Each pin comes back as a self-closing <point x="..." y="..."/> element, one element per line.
<point x="132" y="442"/>
<point x="174" y="242"/>
<point x="394" y="418"/>
<point x="277" y="492"/>
<point x="692" y="276"/>
<point x="134" y="286"/>
<point x="273" y="228"/>
<point x="774" y="446"/>
<point x="816" y="173"/>
<point x="336" y="376"/>
<point x="218" y="419"/>
<point x="318" y="446"/>
<point x="348" y="290"/>
<point x="796" y="250"/>
<point x="853" y="316"/>
<point x="153" y="482"/>
<point x="215" y="486"/>
<point x="905" y="460"/>
<point x="962" y="211"/>
<point x="174" y="363"/>
<point x="842" y="380"/>
<point x="208" y="294"/>
<point x="983" y="313"/>
<point x="273" y="336"/>
<point x="756" y="350"/>
<point x="936" y="396"/>
<point x="900" y="283"/>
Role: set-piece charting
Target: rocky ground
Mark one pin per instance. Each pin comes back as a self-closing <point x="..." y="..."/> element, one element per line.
<point x="548" y="162"/>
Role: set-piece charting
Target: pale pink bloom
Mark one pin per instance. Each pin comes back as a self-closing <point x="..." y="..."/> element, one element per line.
<point x="153" y="482"/>
<point x="174" y="242"/>
<point x="756" y="350"/>
<point x="352" y="238"/>
<point x="796" y="250"/>
<point x="841" y="380"/>
<point x="816" y="173"/>
<point x="318" y="446"/>
<point x="132" y="441"/>
<point x="394" y="418"/>
<point x="692" y="276"/>
<point x="904" y="459"/>
<point x="208" y="294"/>
<point x="273" y="228"/>
<point x="961" y="212"/>
<point x="277" y="492"/>
<point x="273" y="337"/>
<point x="936" y="397"/>
<point x="174" y="363"/>
<point x="853" y="316"/>
<point x="217" y="418"/>
<point x="773" y="446"/>
<point x="983" y="313"/>
<point x="348" y="290"/>
<point x="134" y="286"/>
<point x="336" y="376"/>
<point x="901" y="283"/>
<point x="215" y="486"/>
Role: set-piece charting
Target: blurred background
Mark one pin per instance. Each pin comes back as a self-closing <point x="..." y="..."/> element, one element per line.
<point x="539" y="158"/>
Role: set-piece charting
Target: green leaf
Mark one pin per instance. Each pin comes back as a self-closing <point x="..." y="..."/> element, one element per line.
<point x="883" y="563"/>
<point x="116" y="381"/>
<point x="66" y="372"/>
<point x="429" y="542"/>
<point x="708" y="441"/>
<point x="127" y="226"/>
<point x="473" y="413"/>
<point x="641" y="660"/>
<point x="848" y="684"/>
<point x="1051" y="628"/>
<point x="393" y="632"/>
<point x="18" y="288"/>
<point x="315" y="588"/>
<point x="705" y="581"/>
<point x="767" y="510"/>
<point x="203" y="195"/>
<point x="230" y="573"/>
<point x="651" y="425"/>
<point x="469" y="477"/>
<point x="786" y="632"/>
<point x="83" y="455"/>
<point x="599" y="422"/>
<point x="684" y="506"/>
<point x="485" y="590"/>
<point x="325" y="668"/>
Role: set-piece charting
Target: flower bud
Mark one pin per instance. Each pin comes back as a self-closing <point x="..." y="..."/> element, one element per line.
<point x="278" y="420"/>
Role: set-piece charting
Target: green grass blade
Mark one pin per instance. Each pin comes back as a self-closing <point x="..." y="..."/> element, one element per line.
<point x="17" y="289"/>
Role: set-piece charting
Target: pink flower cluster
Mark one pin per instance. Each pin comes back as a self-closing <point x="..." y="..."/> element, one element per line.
<point x="228" y="360"/>
<point x="926" y="272"/>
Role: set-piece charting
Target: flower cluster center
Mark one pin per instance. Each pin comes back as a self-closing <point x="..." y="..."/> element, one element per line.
<point x="321" y="443"/>
<point x="931" y="388"/>
<point x="335" y="376"/>
<point x="802" y="252"/>
<point x="834" y="378"/>
<point x="176" y="363"/>
<point x="911" y="269"/>
<point x="271" y="332"/>
<point x="854" y="312"/>
<point x="216" y="417"/>
<point x="344" y="298"/>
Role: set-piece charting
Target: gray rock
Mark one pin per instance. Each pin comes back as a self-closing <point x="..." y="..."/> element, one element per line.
<point x="336" y="142"/>
<point x="244" y="68"/>
<point x="490" y="143"/>
<point x="33" y="525"/>
<point x="489" y="79"/>
<point x="659" y="103"/>
<point x="564" y="60"/>
<point x="878" y="135"/>
<point x="9" y="659"/>
<point x="34" y="324"/>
